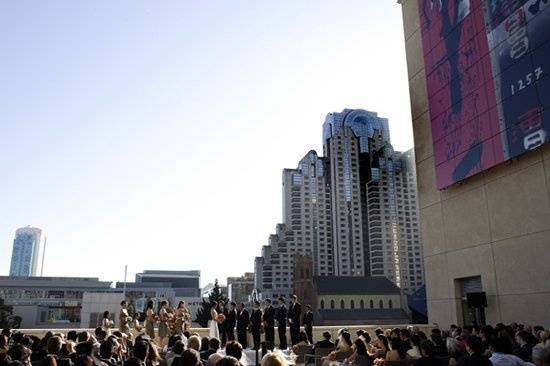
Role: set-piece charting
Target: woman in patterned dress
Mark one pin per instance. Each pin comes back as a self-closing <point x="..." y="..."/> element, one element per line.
<point x="163" y="323"/>
<point x="150" y="320"/>
<point x="180" y="318"/>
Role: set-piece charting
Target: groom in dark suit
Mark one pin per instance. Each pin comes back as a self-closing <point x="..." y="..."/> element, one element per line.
<point x="294" y="315"/>
<point x="256" y="324"/>
<point x="281" y="321"/>
<point x="243" y="321"/>
<point x="269" y="323"/>
<point x="231" y="321"/>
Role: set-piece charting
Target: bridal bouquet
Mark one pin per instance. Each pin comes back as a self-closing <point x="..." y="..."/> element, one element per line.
<point x="220" y="318"/>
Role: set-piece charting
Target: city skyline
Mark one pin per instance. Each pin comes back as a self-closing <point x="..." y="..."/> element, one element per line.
<point x="130" y="135"/>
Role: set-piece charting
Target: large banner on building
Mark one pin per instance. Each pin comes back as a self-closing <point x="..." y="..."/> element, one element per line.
<point x="487" y="67"/>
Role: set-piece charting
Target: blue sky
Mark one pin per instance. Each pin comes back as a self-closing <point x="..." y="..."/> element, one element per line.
<point x="153" y="134"/>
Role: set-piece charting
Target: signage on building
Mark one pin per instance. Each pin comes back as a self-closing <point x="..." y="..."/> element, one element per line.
<point x="487" y="65"/>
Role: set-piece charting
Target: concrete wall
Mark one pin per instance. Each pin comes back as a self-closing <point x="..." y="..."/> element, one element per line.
<point x="495" y="225"/>
<point x="317" y="331"/>
<point x="98" y="302"/>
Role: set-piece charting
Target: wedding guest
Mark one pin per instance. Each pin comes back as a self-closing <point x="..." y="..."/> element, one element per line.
<point x="5" y="359"/>
<point x="501" y="349"/>
<point x="221" y="309"/>
<point x="234" y="349"/>
<point x="398" y="351"/>
<point x="194" y="342"/>
<point x="106" y="353"/>
<point x="243" y="322"/>
<point x="274" y="359"/>
<point x="231" y="321"/>
<point x="474" y="347"/>
<point x="308" y="323"/>
<point x="20" y="354"/>
<point x="150" y="319"/>
<point x="325" y="342"/>
<point x="541" y="355"/>
<point x="204" y="344"/>
<point x="343" y="348"/>
<point x="281" y="323"/>
<point x="414" y="353"/>
<point x="382" y="345"/>
<point x="107" y="323"/>
<point x="153" y="358"/>
<point x="302" y="341"/>
<point x="269" y="323"/>
<point x="228" y="361"/>
<point x="123" y="318"/>
<point x="189" y="357"/>
<point x="53" y="348"/>
<point x="177" y="351"/>
<point x="163" y="322"/>
<point x="294" y="315"/>
<point x="256" y="324"/>
<point x="428" y="350"/>
<point x="213" y="347"/>
<point x="525" y="341"/>
<point x="360" y="356"/>
<point x="182" y="317"/>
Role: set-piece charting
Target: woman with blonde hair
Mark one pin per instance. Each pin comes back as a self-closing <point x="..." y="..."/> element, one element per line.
<point x="274" y="359"/>
<point x="194" y="342"/>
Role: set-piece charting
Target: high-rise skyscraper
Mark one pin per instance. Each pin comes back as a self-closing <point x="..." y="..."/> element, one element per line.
<point x="305" y="229"/>
<point x="27" y="252"/>
<point x="347" y="142"/>
<point x="354" y="211"/>
<point x="393" y="228"/>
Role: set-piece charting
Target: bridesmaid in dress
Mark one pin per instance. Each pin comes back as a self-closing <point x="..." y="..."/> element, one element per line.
<point x="163" y="322"/>
<point x="150" y="320"/>
<point x="180" y="318"/>
<point x="107" y="323"/>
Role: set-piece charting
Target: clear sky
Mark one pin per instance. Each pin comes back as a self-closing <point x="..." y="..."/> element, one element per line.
<point x="154" y="133"/>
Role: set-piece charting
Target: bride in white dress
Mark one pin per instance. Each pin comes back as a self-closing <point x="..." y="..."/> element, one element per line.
<point x="213" y="323"/>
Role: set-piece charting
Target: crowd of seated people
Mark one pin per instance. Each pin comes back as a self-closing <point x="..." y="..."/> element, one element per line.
<point x="501" y="345"/>
<point x="513" y="345"/>
<point x="117" y="349"/>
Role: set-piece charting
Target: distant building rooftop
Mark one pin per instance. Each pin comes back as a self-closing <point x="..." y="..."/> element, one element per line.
<point x="354" y="285"/>
<point x="83" y="282"/>
<point x="170" y="273"/>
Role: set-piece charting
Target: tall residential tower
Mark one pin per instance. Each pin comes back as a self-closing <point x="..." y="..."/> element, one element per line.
<point x="28" y="249"/>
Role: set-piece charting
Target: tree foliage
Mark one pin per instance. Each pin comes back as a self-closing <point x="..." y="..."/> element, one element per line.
<point x="203" y="313"/>
<point x="7" y="319"/>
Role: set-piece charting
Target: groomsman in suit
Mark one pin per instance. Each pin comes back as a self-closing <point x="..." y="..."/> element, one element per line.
<point x="256" y="324"/>
<point x="308" y="323"/>
<point x="230" y="321"/>
<point x="243" y="321"/>
<point x="281" y="323"/>
<point x="269" y="323"/>
<point x="294" y="315"/>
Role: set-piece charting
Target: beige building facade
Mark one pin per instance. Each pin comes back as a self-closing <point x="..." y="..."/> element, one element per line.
<point x="490" y="232"/>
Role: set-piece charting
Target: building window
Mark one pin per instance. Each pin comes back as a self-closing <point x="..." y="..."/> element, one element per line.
<point x="381" y="304"/>
<point x="352" y="304"/>
<point x="390" y="304"/>
<point x="342" y="304"/>
<point x="322" y="304"/>
<point x="371" y="304"/>
<point x="332" y="304"/>
<point x="362" y="304"/>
